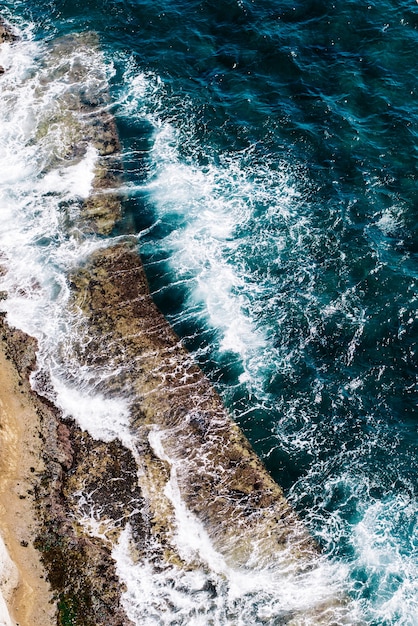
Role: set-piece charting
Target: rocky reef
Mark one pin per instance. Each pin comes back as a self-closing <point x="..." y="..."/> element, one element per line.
<point x="7" y="33"/>
<point x="177" y="418"/>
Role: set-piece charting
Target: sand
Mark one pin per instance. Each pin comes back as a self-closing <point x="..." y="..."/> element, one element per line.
<point x="24" y="587"/>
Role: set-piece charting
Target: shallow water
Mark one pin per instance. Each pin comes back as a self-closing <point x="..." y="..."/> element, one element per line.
<point x="270" y="159"/>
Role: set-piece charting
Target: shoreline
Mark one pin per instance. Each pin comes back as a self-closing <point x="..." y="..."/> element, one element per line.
<point x="65" y="576"/>
<point x="67" y="491"/>
<point x="25" y="595"/>
<point x="30" y="598"/>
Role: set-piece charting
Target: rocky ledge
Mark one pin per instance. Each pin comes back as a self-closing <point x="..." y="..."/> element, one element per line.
<point x="7" y="35"/>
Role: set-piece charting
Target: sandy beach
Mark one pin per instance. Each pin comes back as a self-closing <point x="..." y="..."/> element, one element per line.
<point x="24" y="587"/>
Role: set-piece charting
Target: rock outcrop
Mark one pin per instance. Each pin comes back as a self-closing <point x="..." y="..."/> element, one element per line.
<point x="7" y="33"/>
<point x="177" y="417"/>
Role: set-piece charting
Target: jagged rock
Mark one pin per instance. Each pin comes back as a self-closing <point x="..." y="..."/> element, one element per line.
<point x="6" y="32"/>
<point x="104" y="477"/>
<point x="80" y="568"/>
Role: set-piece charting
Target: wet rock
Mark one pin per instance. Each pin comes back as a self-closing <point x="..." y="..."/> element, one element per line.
<point x="80" y="567"/>
<point x="80" y="572"/>
<point x="177" y="410"/>
<point x="6" y="32"/>
<point x="78" y="116"/>
<point x="103" y="484"/>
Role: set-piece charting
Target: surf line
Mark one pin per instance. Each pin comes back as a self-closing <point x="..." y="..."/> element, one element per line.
<point x="178" y="455"/>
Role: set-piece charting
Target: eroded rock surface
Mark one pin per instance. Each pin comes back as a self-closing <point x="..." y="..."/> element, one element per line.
<point x="80" y="568"/>
<point x="6" y="32"/>
<point x="176" y="411"/>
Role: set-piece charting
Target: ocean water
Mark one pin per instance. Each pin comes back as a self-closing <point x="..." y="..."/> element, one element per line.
<point x="270" y="156"/>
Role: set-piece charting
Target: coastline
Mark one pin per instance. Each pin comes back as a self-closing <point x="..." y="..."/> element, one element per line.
<point x="67" y="493"/>
<point x="25" y="595"/>
<point x="29" y="596"/>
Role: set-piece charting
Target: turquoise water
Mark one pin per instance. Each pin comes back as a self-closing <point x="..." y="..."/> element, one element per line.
<point x="270" y="153"/>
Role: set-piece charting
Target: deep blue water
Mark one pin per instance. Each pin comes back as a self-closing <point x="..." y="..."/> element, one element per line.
<point x="271" y="164"/>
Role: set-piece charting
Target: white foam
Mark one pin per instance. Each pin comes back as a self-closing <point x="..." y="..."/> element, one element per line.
<point x="382" y="556"/>
<point x="214" y="201"/>
<point x="390" y="221"/>
<point x="191" y="538"/>
<point x="164" y="597"/>
<point x="72" y="181"/>
<point x="104" y="418"/>
<point x="198" y="595"/>
<point x="276" y="589"/>
<point x="208" y="211"/>
<point x="9" y="579"/>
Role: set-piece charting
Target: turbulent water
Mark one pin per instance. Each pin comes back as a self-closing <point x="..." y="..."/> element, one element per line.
<point x="270" y="156"/>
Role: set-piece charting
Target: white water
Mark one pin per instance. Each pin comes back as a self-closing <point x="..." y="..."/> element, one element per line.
<point x="217" y="596"/>
<point x="9" y="579"/>
<point x="211" y="208"/>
